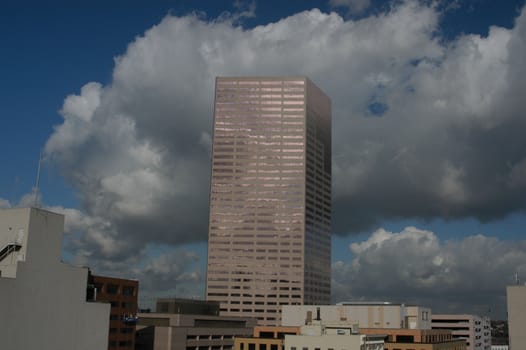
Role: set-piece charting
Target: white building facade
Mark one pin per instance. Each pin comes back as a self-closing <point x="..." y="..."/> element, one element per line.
<point x="367" y="315"/>
<point x="43" y="301"/>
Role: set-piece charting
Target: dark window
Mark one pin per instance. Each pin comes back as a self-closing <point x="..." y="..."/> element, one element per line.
<point x="128" y="305"/>
<point x="128" y="290"/>
<point x="405" y="339"/>
<point x="112" y="289"/>
<point x="266" y="335"/>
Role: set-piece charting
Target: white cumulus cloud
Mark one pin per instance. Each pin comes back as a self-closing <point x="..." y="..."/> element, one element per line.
<point x="422" y="127"/>
<point x="415" y="266"/>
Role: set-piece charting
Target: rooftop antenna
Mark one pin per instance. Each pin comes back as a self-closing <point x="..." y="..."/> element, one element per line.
<point x="517" y="281"/>
<point x="37" y="204"/>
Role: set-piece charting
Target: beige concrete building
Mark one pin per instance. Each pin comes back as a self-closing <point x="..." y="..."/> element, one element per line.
<point x="474" y="330"/>
<point x="270" y="197"/>
<point x="332" y="336"/>
<point x="159" y="331"/>
<point x="366" y="314"/>
<point x="416" y="339"/>
<point x="516" y="299"/>
<point x="43" y="301"/>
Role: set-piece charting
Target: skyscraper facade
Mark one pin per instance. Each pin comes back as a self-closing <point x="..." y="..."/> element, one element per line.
<point x="270" y="197"/>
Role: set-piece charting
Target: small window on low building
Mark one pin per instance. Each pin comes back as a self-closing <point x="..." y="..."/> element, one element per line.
<point x="112" y="289"/>
<point x="128" y="290"/>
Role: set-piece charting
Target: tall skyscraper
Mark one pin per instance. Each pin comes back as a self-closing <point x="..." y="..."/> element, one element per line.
<point x="270" y="198"/>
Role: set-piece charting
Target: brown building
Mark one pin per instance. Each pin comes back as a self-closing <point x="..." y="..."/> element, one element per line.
<point x="265" y="338"/>
<point x="122" y="295"/>
<point x="416" y="339"/>
<point x="270" y="201"/>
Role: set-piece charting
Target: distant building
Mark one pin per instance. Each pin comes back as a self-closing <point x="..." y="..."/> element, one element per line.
<point x="266" y="337"/>
<point x="336" y="336"/>
<point x="421" y="339"/>
<point x="43" y="302"/>
<point x="499" y="347"/>
<point x="186" y="306"/>
<point x="122" y="296"/>
<point x="499" y="332"/>
<point x="516" y="299"/>
<point x="175" y="331"/>
<point x="367" y="314"/>
<point x="475" y="330"/>
<point x="270" y="196"/>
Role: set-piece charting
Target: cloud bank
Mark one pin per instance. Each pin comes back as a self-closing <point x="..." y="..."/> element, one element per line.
<point x="414" y="266"/>
<point x="422" y="128"/>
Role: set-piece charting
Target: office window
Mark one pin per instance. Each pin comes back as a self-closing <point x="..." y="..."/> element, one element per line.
<point x="112" y="289"/>
<point x="128" y="290"/>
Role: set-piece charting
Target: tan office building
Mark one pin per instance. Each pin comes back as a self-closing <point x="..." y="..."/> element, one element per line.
<point x="270" y="199"/>
<point x="516" y="300"/>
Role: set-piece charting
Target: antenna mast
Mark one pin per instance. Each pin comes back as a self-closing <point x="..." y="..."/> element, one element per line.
<point x="37" y="204"/>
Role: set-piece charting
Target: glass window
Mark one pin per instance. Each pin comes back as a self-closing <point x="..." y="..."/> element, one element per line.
<point x="112" y="289"/>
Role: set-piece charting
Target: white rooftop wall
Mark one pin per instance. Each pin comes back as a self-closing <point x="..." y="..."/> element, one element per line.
<point x="43" y="301"/>
<point x="368" y="316"/>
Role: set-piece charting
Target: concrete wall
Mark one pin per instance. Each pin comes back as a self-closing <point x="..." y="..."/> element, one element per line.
<point x="418" y="317"/>
<point x="43" y="303"/>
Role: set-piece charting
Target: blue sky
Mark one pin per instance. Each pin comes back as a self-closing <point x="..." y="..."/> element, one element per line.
<point x="52" y="50"/>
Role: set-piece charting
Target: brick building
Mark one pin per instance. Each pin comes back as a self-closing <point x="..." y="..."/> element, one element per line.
<point x="122" y="296"/>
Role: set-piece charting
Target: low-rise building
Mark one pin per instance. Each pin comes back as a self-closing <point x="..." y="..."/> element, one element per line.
<point x="188" y="329"/>
<point x="265" y="338"/>
<point x="332" y="336"/>
<point x="413" y="339"/>
<point x="367" y="314"/>
<point x="186" y="306"/>
<point x="43" y="301"/>
<point x="121" y="294"/>
<point x="474" y="330"/>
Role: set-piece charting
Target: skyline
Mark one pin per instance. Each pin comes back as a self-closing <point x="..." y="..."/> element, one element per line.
<point x="428" y="159"/>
